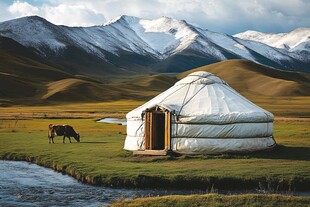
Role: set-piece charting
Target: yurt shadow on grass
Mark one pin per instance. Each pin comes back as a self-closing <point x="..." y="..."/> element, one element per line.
<point x="200" y="114"/>
<point x="285" y="153"/>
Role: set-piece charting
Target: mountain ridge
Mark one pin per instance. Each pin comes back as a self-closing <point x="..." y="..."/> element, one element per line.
<point x="134" y="45"/>
<point x="295" y="42"/>
<point x="287" y="40"/>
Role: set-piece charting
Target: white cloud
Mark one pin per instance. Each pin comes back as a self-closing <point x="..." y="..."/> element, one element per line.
<point x="73" y="15"/>
<point x="22" y="9"/>
<point x="216" y="15"/>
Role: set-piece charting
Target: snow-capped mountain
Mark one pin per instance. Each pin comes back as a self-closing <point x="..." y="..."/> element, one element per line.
<point x="297" y="42"/>
<point x="282" y="40"/>
<point x="162" y="44"/>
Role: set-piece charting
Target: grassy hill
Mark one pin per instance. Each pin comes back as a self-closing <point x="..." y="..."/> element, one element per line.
<point x="27" y="79"/>
<point x="22" y="74"/>
<point x="250" y="78"/>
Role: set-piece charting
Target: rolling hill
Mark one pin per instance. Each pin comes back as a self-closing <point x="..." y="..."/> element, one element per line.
<point x="248" y="78"/>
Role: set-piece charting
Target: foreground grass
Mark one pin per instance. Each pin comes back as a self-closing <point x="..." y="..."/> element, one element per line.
<point x="99" y="158"/>
<point x="214" y="200"/>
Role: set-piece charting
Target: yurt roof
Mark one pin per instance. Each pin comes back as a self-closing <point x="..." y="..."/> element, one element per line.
<point x="203" y="97"/>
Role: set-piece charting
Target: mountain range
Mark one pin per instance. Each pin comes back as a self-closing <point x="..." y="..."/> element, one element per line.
<point x="132" y="58"/>
<point x="129" y="45"/>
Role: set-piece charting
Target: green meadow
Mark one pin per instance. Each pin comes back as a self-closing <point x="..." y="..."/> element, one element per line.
<point x="100" y="159"/>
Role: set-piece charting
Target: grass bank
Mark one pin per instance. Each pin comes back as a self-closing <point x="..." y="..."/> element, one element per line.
<point x="100" y="159"/>
<point x="214" y="200"/>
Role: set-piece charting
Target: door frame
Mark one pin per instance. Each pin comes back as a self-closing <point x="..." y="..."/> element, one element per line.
<point x="149" y="127"/>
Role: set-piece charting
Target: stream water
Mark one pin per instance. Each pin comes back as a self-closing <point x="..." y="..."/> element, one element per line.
<point x="113" y="120"/>
<point x="26" y="184"/>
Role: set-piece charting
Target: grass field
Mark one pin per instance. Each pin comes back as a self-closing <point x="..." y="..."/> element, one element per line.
<point x="214" y="200"/>
<point x="100" y="159"/>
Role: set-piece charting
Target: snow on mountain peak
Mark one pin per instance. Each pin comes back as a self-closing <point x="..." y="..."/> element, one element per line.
<point x="42" y="32"/>
<point x="125" y="18"/>
<point x="167" y="35"/>
<point x="281" y="40"/>
<point x="162" y="37"/>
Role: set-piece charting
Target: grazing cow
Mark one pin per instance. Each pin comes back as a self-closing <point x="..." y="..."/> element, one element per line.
<point x="62" y="130"/>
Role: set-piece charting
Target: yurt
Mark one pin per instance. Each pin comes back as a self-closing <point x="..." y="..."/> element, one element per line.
<point x="200" y="114"/>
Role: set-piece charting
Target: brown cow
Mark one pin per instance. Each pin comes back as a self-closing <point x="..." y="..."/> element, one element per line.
<point x="62" y="130"/>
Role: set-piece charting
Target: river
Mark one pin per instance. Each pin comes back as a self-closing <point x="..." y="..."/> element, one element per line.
<point x="26" y="184"/>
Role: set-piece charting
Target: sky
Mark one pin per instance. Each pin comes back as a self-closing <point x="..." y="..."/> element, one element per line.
<point x="226" y="16"/>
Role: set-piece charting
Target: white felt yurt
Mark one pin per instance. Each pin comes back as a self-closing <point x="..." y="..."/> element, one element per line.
<point x="200" y="114"/>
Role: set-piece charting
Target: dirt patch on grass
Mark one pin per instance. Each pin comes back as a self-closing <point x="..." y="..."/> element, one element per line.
<point x="292" y="118"/>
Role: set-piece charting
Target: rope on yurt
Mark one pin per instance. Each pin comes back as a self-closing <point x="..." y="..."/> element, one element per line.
<point x="267" y="121"/>
<point x="189" y="85"/>
<point x="180" y="89"/>
<point x="176" y="124"/>
<point x="142" y="143"/>
<point x="171" y="93"/>
<point x="139" y="127"/>
<point x="191" y="98"/>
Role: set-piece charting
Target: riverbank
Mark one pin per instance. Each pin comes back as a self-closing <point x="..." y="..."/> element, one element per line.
<point x="27" y="184"/>
<point x="206" y="183"/>
<point x="100" y="160"/>
<point x="214" y="200"/>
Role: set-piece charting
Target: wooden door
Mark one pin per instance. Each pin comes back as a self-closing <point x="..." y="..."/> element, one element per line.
<point x="157" y="130"/>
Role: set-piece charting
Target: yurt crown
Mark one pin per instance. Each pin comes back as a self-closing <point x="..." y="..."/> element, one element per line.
<point x="201" y="77"/>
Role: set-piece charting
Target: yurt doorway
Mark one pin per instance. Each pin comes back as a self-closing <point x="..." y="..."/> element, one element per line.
<point x="157" y="130"/>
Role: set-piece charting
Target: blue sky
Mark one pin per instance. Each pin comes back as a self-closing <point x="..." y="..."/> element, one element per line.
<point x="227" y="16"/>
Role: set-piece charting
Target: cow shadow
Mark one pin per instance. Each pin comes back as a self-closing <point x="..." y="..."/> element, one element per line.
<point x="92" y="142"/>
<point x="286" y="153"/>
<point x="80" y="143"/>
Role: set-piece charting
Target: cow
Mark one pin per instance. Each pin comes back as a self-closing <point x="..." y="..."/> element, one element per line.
<point x="62" y="130"/>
